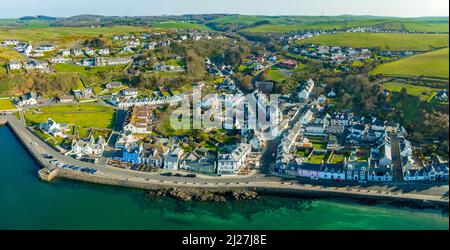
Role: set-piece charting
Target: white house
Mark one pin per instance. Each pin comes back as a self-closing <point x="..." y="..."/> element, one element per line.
<point x="307" y="89"/>
<point x="91" y="147"/>
<point x="229" y="164"/>
<point x="332" y="172"/>
<point x="172" y="159"/>
<point x="29" y="98"/>
<point x="103" y="52"/>
<point x="306" y="117"/>
<point x="53" y="128"/>
<point x="14" y="64"/>
<point x="380" y="174"/>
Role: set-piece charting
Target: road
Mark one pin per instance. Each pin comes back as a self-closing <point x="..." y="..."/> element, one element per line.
<point x="396" y="159"/>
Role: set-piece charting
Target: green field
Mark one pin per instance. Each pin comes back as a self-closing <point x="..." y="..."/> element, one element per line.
<point x="383" y="41"/>
<point x="65" y="36"/>
<point x="275" y="75"/>
<point x="82" y="115"/>
<point x="425" y="93"/>
<point x="6" y="104"/>
<point x="432" y="64"/>
<point x="179" y="25"/>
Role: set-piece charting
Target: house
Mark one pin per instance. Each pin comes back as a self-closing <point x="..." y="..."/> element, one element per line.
<point x="442" y="96"/>
<point x="138" y="120"/>
<point x="405" y="147"/>
<point x="36" y="65"/>
<point x="58" y="59"/>
<point x="64" y="52"/>
<point x="129" y="93"/>
<point x="172" y="159"/>
<point x="154" y="156"/>
<point x="332" y="172"/>
<point x="77" y="52"/>
<point x="132" y="153"/>
<point x="341" y="119"/>
<point x="113" y="85"/>
<point x="306" y="91"/>
<point x="380" y="174"/>
<point x="83" y="94"/>
<point x="309" y="170"/>
<point x="14" y="64"/>
<point x="89" y="52"/>
<point x="384" y="153"/>
<point x="306" y="117"/>
<point x="107" y="61"/>
<point x="378" y="125"/>
<point x="290" y="64"/>
<point x="437" y="171"/>
<point x="46" y="47"/>
<point x="331" y="94"/>
<point x="66" y="99"/>
<point x="315" y="128"/>
<point x="53" y="128"/>
<point x="356" y="170"/>
<point x="229" y="164"/>
<point x="415" y="174"/>
<point x="205" y="164"/>
<point x="103" y="52"/>
<point x="91" y="147"/>
<point x="29" y="98"/>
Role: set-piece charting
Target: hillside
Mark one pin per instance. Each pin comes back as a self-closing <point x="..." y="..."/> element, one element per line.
<point x="432" y="64"/>
<point x="383" y="41"/>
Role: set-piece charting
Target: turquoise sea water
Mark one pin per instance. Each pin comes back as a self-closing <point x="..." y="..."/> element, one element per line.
<point x="28" y="203"/>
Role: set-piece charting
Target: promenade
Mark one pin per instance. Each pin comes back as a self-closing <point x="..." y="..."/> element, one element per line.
<point x="268" y="184"/>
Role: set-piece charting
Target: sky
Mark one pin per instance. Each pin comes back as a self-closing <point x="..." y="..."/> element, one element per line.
<point x="66" y="8"/>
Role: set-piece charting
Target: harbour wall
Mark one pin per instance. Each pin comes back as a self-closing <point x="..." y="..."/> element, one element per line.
<point x="266" y="188"/>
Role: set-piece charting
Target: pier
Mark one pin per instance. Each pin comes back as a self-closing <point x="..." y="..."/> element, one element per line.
<point x="271" y="185"/>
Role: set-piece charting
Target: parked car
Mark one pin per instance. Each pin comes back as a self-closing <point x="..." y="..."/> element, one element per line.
<point x="166" y="174"/>
<point x="191" y="175"/>
<point x="47" y="156"/>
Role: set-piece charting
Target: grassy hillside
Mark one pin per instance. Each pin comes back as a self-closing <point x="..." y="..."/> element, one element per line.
<point x="7" y="54"/>
<point x="179" y="25"/>
<point x="65" y="35"/>
<point x="423" y="92"/>
<point x="433" y="64"/>
<point x="383" y="41"/>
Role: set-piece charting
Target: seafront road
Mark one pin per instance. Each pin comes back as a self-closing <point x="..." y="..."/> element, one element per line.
<point x="415" y="191"/>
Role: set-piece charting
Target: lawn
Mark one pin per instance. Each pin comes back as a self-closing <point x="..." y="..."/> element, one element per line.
<point x="82" y="115"/>
<point x="337" y="158"/>
<point x="425" y="93"/>
<point x="383" y="41"/>
<point x="6" y="104"/>
<point x="65" y="36"/>
<point x="275" y="75"/>
<point x="316" y="158"/>
<point x="433" y="64"/>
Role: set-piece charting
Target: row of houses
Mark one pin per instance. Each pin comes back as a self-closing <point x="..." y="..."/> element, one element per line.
<point x="31" y="65"/>
<point x="126" y="101"/>
<point x="173" y="158"/>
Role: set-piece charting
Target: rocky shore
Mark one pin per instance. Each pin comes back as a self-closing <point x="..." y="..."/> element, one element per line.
<point x="202" y="195"/>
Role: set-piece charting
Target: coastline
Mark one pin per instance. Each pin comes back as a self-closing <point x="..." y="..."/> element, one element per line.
<point x="290" y="189"/>
<point x="269" y="189"/>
